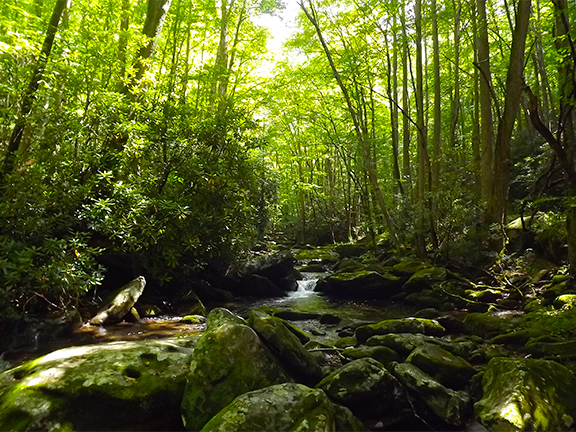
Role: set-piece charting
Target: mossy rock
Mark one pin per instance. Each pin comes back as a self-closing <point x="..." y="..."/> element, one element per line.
<point x="324" y="255"/>
<point x="485" y="325"/>
<point x="283" y="407"/>
<point x="286" y="346"/>
<point x="450" y="370"/>
<point x="129" y="385"/>
<point x="365" y="386"/>
<point x="382" y="354"/>
<point x="193" y="319"/>
<point x="349" y="265"/>
<point x="565" y="301"/>
<point x="517" y="337"/>
<point x="404" y="325"/>
<point x="229" y="360"/>
<point x="345" y="342"/>
<point x="488" y="295"/>
<point x="424" y="298"/>
<point x="451" y="406"/>
<point x="526" y="394"/>
<point x="408" y="268"/>
<point x="121" y="303"/>
<point x="541" y="348"/>
<point x="364" y="284"/>
<point x="425" y="278"/>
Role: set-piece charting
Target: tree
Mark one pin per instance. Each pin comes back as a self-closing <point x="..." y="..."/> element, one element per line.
<point x="29" y="96"/>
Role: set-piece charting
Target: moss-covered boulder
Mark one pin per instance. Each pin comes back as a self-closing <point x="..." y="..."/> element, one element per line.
<point x="286" y="346"/>
<point x="229" y="360"/>
<point x="121" y="303"/>
<point x="404" y="325"/>
<point x="451" y="406"/>
<point x="324" y="255"/>
<point x="565" y="301"/>
<point x="382" y="354"/>
<point x="526" y="394"/>
<point x="409" y="267"/>
<point x="283" y="407"/>
<point x="363" y="284"/>
<point x="485" y="325"/>
<point x="112" y="386"/>
<point x="450" y="370"/>
<point x="541" y="348"/>
<point x="365" y="386"/>
<point x="425" y="278"/>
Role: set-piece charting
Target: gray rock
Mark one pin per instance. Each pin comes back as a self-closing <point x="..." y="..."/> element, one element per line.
<point x="449" y="405"/>
<point x="382" y="354"/>
<point x="120" y="305"/>
<point x="286" y="346"/>
<point x="229" y="360"/>
<point x="404" y="325"/>
<point x="526" y="394"/>
<point x="450" y="370"/>
<point x="361" y="284"/>
<point x="283" y="407"/>
<point x="365" y="386"/>
<point x="112" y="386"/>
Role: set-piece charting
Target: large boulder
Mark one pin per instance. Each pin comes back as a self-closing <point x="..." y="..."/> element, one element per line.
<point x="260" y="286"/>
<point x="383" y="354"/>
<point x="485" y="325"/>
<point x="404" y="325"/>
<point x="276" y="267"/>
<point x="121" y="303"/>
<point x="363" y="284"/>
<point x="425" y="278"/>
<point x="111" y="386"/>
<point x="365" y="386"/>
<point x="286" y="346"/>
<point x="450" y="370"/>
<point x="451" y="406"/>
<point x="526" y="394"/>
<point x="282" y="407"/>
<point x="229" y="360"/>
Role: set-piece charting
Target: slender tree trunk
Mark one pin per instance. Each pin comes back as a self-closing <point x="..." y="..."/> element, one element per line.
<point x="454" y="138"/>
<point x="393" y="98"/>
<point x="405" y="104"/>
<point x="498" y="204"/>
<point x="437" y="101"/>
<point x="30" y="94"/>
<point x="371" y="169"/>
<point x="123" y="43"/>
<point x="486" y="126"/>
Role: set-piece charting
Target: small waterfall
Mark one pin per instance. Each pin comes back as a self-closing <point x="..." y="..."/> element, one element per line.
<point x="306" y="286"/>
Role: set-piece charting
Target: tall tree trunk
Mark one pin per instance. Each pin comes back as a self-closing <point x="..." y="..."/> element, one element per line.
<point x="392" y="84"/>
<point x="30" y="94"/>
<point x="123" y="42"/>
<point x="486" y="126"/>
<point x="365" y="149"/>
<point x="437" y="101"/>
<point x="476" y="141"/>
<point x="219" y="81"/>
<point x="454" y="139"/>
<point x="405" y="104"/>
<point x="498" y="204"/>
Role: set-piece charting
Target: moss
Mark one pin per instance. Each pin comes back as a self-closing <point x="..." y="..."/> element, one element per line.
<point x="404" y="325"/>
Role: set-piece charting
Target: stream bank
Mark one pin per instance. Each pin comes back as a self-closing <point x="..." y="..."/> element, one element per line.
<point x="348" y="348"/>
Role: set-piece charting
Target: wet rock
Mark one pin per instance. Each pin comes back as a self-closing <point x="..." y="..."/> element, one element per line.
<point x="526" y="394"/>
<point x="330" y="319"/>
<point x="429" y="313"/>
<point x="260" y="286"/>
<point x="451" y="406"/>
<point x="286" y="346"/>
<point x="121" y="303"/>
<point x="229" y="360"/>
<point x="365" y="386"/>
<point x="350" y="250"/>
<point x="363" y="284"/>
<point x="130" y="385"/>
<point x="486" y="325"/>
<point x="450" y="370"/>
<point x="403" y="325"/>
<point x="408" y="268"/>
<point x="453" y="325"/>
<point x="484" y="296"/>
<point x="345" y="342"/>
<point x="426" y="297"/>
<point x="194" y="319"/>
<point x="323" y="255"/>
<point x="518" y="337"/>
<point x="382" y="354"/>
<point x="563" y="349"/>
<point x="280" y="407"/>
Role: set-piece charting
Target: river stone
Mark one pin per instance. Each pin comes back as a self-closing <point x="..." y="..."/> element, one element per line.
<point x="129" y="385"/>
<point x="408" y="268"/>
<point x="539" y="348"/>
<point x="120" y="305"/>
<point x="229" y="360"/>
<point x="527" y="394"/>
<point x="450" y="370"/>
<point x="404" y="325"/>
<point x="283" y="407"/>
<point x="286" y="346"/>
<point x="365" y="386"/>
<point x="451" y="406"/>
<point x="382" y="354"/>
<point x="363" y="284"/>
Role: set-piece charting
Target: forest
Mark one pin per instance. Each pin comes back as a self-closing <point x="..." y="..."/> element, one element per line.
<point x="176" y="140"/>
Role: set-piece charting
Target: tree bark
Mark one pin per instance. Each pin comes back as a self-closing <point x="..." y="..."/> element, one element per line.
<point x="30" y="94"/>
<point x="486" y="126"/>
<point x="497" y="209"/>
<point x="437" y="136"/>
<point x="406" y="171"/>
